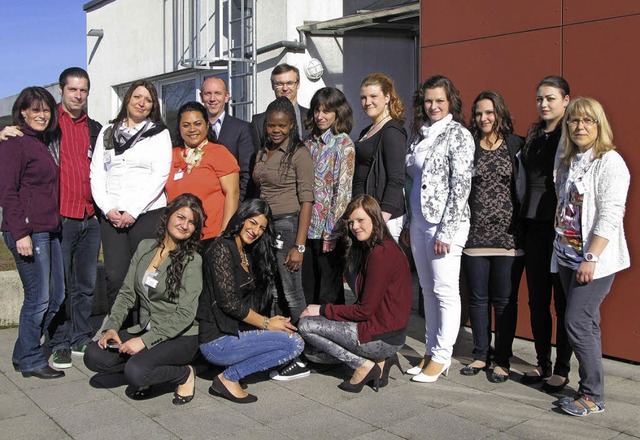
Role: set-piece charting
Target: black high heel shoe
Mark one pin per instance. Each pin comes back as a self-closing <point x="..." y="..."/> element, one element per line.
<point x="388" y="363"/>
<point x="372" y="376"/>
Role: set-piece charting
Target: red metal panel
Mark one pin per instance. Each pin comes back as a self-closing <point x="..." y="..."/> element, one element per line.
<point x="511" y="65"/>
<point x="605" y="69"/>
<point x="576" y="11"/>
<point x="460" y="20"/>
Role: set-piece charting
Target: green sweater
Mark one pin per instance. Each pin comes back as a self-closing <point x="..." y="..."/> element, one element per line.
<point x="160" y="318"/>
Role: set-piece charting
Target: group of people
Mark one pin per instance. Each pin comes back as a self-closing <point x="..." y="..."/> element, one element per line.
<point x="234" y="244"/>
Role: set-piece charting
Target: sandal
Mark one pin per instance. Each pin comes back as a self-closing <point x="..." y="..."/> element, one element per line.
<point x="179" y="399"/>
<point x="580" y="407"/>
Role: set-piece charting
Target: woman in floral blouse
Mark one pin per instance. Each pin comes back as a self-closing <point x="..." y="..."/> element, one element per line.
<point x="330" y="121"/>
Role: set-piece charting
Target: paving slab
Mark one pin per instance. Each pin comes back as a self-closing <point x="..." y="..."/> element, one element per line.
<point x="35" y="425"/>
<point x="554" y="425"/>
<point x="438" y="424"/>
<point x="320" y="424"/>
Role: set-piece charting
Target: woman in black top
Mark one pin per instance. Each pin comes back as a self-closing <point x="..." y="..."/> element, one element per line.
<point x="538" y="209"/>
<point x="381" y="149"/>
<point x="235" y="328"/>
<point x="492" y="258"/>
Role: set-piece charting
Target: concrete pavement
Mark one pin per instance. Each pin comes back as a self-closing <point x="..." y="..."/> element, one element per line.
<point x="85" y="406"/>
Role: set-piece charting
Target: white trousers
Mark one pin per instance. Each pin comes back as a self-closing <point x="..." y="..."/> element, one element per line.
<point x="440" y="282"/>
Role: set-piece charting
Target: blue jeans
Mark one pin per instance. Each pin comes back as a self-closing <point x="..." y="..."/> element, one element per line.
<point x="493" y="281"/>
<point x="80" y="247"/>
<point x="42" y="277"/>
<point x="255" y="350"/>
<point x="290" y="288"/>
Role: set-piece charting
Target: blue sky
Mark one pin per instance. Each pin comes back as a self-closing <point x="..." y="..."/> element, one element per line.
<point x="38" y="40"/>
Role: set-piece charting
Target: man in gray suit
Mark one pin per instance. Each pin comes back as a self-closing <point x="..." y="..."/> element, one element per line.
<point x="233" y="133"/>
<point x="285" y="81"/>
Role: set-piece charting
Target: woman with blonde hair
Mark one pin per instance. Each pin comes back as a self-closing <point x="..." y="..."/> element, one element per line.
<point x="380" y="150"/>
<point x="591" y="181"/>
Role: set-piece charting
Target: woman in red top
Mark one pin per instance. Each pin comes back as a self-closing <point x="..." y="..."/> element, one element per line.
<point x="368" y="334"/>
<point x="204" y="169"/>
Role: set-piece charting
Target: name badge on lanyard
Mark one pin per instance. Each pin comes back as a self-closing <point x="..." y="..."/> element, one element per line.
<point x="179" y="175"/>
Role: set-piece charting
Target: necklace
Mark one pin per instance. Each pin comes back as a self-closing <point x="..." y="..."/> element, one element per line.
<point x="373" y="127"/>
<point x="243" y="255"/>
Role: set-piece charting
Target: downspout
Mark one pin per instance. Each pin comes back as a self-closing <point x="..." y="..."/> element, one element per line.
<point x="287" y="44"/>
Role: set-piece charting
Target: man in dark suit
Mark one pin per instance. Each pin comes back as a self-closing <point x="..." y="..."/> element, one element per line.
<point x="285" y="81"/>
<point x="233" y="133"/>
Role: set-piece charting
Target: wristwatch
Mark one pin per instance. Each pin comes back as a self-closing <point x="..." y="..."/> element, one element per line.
<point x="301" y="248"/>
<point x="591" y="258"/>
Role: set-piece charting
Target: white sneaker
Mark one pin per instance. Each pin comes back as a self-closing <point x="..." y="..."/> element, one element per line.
<point x="296" y="369"/>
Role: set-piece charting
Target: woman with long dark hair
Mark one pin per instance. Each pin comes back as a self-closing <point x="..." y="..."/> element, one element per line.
<point x="380" y="149"/>
<point x="165" y="276"/>
<point x="492" y="257"/>
<point x="129" y="169"/>
<point x="368" y="334"/>
<point x="439" y="168"/>
<point x="538" y="209"/>
<point x="592" y="182"/>
<point x="330" y="120"/>
<point x="204" y="169"/>
<point x="29" y="196"/>
<point x="284" y="176"/>
<point x="236" y="328"/>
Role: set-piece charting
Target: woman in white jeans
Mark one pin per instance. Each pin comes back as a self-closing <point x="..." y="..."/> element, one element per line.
<point x="439" y="167"/>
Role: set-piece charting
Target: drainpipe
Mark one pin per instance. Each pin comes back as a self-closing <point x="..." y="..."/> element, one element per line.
<point x="287" y="44"/>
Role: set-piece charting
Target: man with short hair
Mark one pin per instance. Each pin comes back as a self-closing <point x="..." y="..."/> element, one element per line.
<point x="233" y="133"/>
<point x="70" y="331"/>
<point x="285" y="81"/>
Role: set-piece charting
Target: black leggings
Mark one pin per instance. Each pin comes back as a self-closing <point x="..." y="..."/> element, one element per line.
<point x="164" y="363"/>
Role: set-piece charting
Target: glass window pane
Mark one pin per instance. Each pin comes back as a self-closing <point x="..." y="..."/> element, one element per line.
<point x="173" y="96"/>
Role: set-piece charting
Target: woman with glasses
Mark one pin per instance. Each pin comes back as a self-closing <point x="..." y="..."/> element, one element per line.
<point x="591" y="182"/>
<point x="538" y="209"/>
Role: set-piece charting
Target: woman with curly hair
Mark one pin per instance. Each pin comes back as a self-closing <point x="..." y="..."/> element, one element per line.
<point x="439" y="165"/>
<point x="380" y="150"/>
<point x="493" y="255"/>
<point x="165" y="275"/>
<point x="237" y="330"/>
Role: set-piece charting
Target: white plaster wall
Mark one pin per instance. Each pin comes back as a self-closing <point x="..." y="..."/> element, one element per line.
<point x="134" y="46"/>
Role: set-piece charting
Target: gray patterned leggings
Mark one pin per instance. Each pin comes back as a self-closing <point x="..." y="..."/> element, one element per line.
<point x="340" y="340"/>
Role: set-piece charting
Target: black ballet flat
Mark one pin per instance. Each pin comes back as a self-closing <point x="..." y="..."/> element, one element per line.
<point x="372" y="376"/>
<point x="140" y="393"/>
<point x="553" y="389"/>
<point x="179" y="399"/>
<point x="217" y="388"/>
<point x="498" y="378"/>
<point x="472" y="371"/>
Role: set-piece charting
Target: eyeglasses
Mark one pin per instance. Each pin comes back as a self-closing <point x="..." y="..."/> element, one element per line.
<point x="279" y="85"/>
<point x="586" y="122"/>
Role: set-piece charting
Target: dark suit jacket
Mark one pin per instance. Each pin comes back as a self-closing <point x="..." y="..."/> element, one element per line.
<point x="235" y="134"/>
<point x="258" y="130"/>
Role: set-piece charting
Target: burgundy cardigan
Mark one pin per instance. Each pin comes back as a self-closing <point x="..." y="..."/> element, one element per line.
<point x="29" y="186"/>
<point x="384" y="294"/>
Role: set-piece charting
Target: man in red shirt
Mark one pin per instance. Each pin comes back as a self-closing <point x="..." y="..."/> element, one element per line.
<point x="75" y="138"/>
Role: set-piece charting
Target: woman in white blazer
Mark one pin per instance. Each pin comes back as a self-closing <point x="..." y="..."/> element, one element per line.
<point x="129" y="169"/>
<point x="591" y="182"/>
<point x="439" y="167"/>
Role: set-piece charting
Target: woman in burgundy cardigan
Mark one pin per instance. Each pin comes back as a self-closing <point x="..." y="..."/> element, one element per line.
<point x="368" y="334"/>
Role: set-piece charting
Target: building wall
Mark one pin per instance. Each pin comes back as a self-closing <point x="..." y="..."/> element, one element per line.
<point x="509" y="46"/>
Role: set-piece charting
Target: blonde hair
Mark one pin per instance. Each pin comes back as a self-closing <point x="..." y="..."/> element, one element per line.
<point x="586" y="106"/>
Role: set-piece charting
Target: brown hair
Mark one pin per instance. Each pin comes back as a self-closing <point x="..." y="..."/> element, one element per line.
<point x="453" y="96"/>
<point x="155" y="115"/>
<point x="357" y="251"/>
<point x="333" y="100"/>
<point x="32" y="97"/>
<point x="396" y="107"/>
<point x="503" y="126"/>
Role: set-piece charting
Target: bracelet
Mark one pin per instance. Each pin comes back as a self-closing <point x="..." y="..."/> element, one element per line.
<point x="265" y="324"/>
